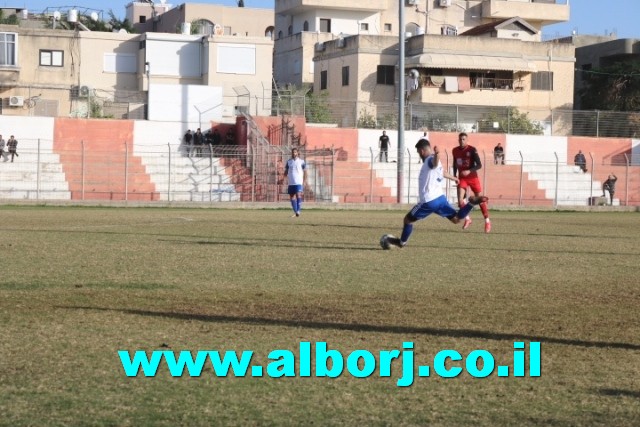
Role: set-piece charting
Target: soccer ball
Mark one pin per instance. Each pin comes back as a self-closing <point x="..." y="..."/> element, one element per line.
<point x="384" y="242"/>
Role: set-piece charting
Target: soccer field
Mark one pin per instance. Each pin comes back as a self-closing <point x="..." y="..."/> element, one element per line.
<point x="79" y="284"/>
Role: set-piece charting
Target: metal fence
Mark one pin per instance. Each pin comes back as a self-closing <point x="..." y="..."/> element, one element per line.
<point x="468" y="118"/>
<point x="255" y="173"/>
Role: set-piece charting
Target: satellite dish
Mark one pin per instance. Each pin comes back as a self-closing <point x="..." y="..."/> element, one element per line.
<point x="218" y="30"/>
<point x="163" y="1"/>
<point x="122" y="31"/>
<point x="94" y="16"/>
<point x="56" y="15"/>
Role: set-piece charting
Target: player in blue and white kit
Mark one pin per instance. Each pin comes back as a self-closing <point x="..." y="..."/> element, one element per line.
<point x="296" y="171"/>
<point x="432" y="198"/>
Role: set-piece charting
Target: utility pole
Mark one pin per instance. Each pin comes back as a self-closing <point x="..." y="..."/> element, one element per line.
<point x="401" y="85"/>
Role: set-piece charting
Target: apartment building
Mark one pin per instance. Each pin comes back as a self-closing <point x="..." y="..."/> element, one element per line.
<point x="74" y="72"/>
<point x="299" y="24"/>
<point x="200" y="18"/>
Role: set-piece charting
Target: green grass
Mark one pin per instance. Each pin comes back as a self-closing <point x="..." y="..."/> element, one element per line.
<point x="79" y="284"/>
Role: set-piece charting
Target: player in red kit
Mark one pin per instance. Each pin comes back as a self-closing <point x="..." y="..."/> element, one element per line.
<point x="466" y="163"/>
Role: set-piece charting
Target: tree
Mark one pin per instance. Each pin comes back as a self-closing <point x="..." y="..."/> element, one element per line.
<point x="317" y="109"/>
<point x="514" y="123"/>
<point x="612" y="88"/>
<point x="116" y="24"/>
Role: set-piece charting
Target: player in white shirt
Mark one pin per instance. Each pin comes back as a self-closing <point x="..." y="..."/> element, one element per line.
<point x="296" y="171"/>
<point x="432" y="198"/>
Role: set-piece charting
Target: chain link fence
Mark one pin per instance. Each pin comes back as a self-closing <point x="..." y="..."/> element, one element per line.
<point x="255" y="173"/>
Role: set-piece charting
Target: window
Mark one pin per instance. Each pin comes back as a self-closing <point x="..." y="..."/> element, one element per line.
<point x="385" y="75"/>
<point x="364" y="26"/>
<point x="290" y="30"/>
<point x="142" y="19"/>
<point x="52" y="58"/>
<point x="542" y="80"/>
<point x="325" y="25"/>
<point x="120" y="63"/>
<point x="305" y="26"/>
<point x="323" y="80"/>
<point x="448" y="30"/>
<point x="227" y="31"/>
<point x="345" y="76"/>
<point x="279" y="35"/>
<point x="8" y="51"/>
<point x="387" y="28"/>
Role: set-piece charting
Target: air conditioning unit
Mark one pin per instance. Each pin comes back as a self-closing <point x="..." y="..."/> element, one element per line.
<point x="83" y="91"/>
<point x="320" y="47"/>
<point x="16" y="101"/>
<point x="412" y="2"/>
<point x="445" y="3"/>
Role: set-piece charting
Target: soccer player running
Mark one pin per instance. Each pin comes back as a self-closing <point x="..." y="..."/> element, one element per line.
<point x="296" y="171"/>
<point x="466" y="163"/>
<point x="432" y="198"/>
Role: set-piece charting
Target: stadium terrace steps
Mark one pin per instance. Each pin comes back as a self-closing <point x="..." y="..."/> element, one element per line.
<point x="353" y="184"/>
<point x="17" y="179"/>
<point x="574" y="187"/>
<point x="200" y="179"/>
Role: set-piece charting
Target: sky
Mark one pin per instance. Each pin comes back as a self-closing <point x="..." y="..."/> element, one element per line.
<point x="598" y="17"/>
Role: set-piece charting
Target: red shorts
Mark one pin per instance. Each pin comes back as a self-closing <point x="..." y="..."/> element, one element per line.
<point x="473" y="183"/>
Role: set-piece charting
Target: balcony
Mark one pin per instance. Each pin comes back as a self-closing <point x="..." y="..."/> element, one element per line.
<point x="294" y="7"/>
<point x="545" y="12"/>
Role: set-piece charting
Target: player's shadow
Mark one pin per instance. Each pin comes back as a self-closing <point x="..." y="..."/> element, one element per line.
<point x="355" y="327"/>
<point x="616" y="392"/>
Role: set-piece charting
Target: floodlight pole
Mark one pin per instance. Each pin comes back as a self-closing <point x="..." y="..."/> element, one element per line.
<point x="401" y="84"/>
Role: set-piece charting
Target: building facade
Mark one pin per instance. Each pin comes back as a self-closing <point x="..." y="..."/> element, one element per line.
<point x="61" y="72"/>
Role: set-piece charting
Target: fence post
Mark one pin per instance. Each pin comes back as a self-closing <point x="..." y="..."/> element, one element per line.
<point x="82" y="168"/>
<point x="409" y="176"/>
<point x="38" y="173"/>
<point x="484" y="172"/>
<point x="371" y="176"/>
<point x="555" y="199"/>
<point x="333" y="172"/>
<point x="210" y="172"/>
<point x="626" y="179"/>
<point x="254" y="147"/>
<point x="169" y="173"/>
<point x="521" y="178"/>
<point x="593" y="171"/>
<point x="126" y="171"/>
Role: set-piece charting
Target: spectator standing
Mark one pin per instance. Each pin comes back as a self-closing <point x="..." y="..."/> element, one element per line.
<point x="610" y="186"/>
<point x="2" y="153"/>
<point x="12" y="146"/>
<point x="498" y="155"/>
<point x="466" y="163"/>
<point x="580" y="161"/>
<point x="188" y="137"/>
<point x="383" y="144"/>
<point x="231" y="137"/>
<point x="198" y="142"/>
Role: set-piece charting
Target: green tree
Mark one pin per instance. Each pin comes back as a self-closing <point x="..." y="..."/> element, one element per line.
<point x="612" y="88"/>
<point x="116" y="24"/>
<point x="513" y="122"/>
<point x="317" y="108"/>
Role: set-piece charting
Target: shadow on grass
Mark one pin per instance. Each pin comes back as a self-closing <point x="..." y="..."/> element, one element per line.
<point x="439" y="332"/>
<point x="616" y="392"/>
<point x="374" y="246"/>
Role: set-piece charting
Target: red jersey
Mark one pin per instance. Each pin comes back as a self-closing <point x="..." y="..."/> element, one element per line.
<point x="466" y="159"/>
